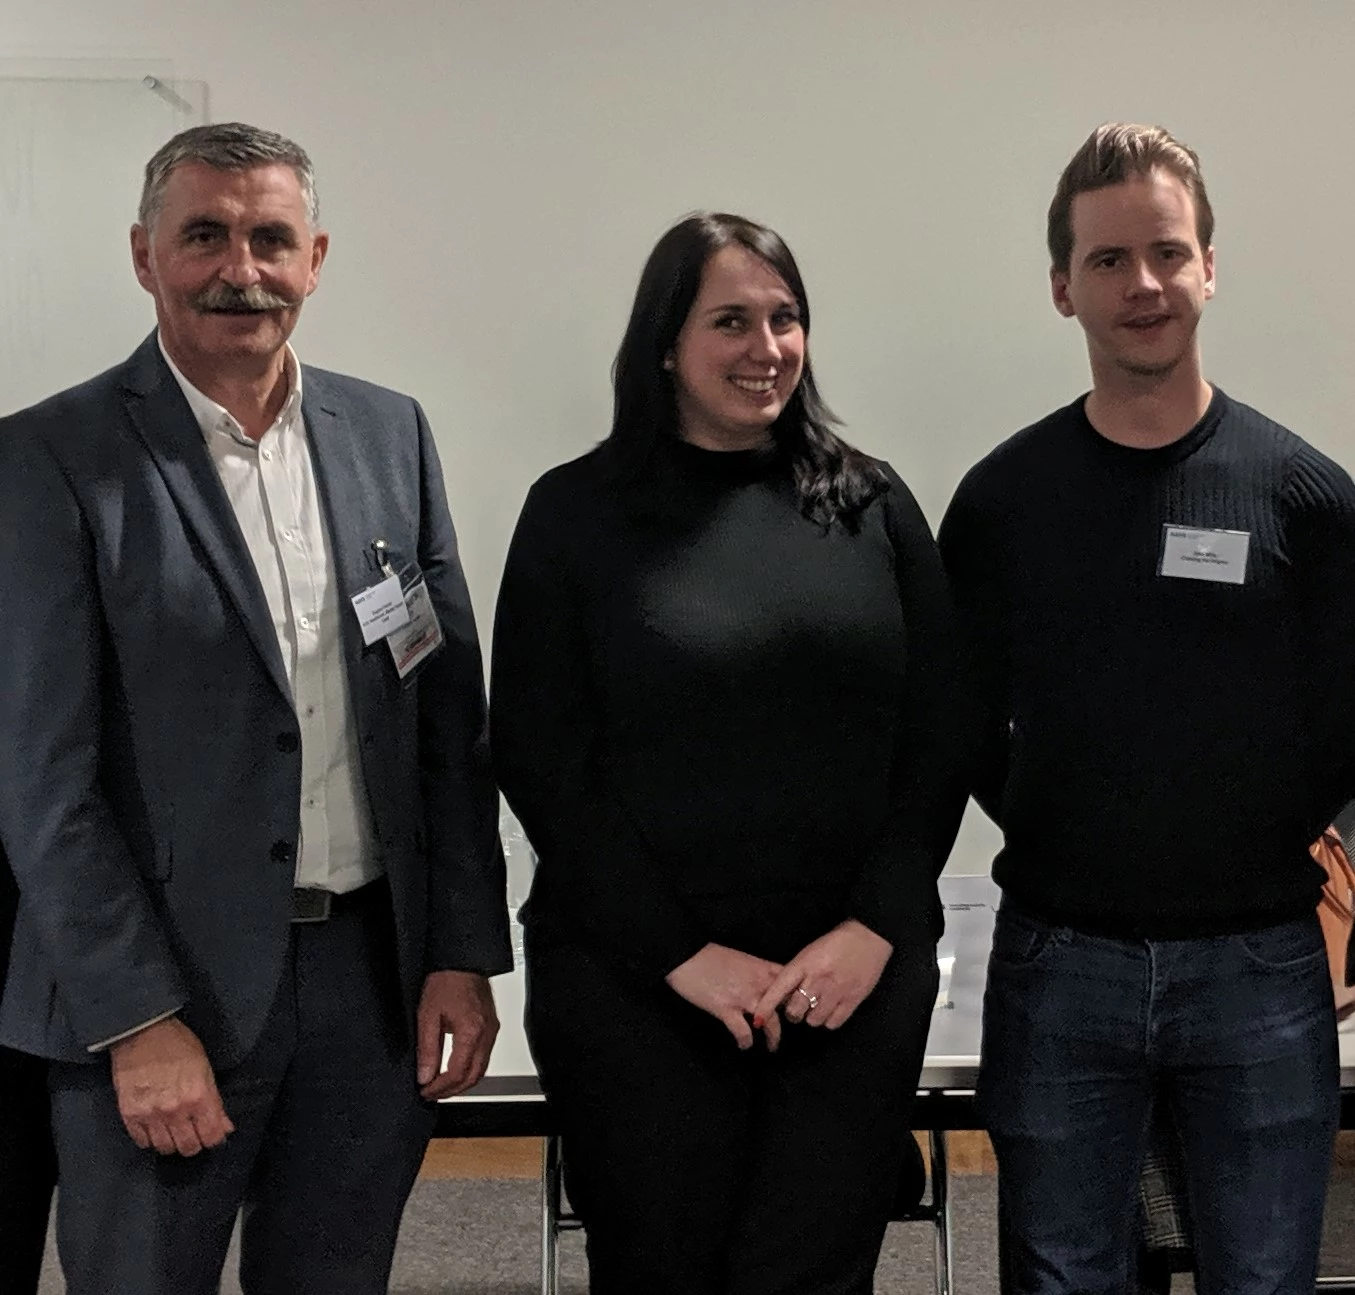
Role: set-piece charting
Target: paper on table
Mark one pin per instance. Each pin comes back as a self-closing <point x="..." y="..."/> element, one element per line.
<point x="945" y="966"/>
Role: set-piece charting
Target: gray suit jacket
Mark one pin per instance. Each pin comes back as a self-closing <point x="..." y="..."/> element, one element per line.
<point x="150" y="768"/>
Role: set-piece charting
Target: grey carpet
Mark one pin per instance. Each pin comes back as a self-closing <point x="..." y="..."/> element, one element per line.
<point x="480" y="1237"/>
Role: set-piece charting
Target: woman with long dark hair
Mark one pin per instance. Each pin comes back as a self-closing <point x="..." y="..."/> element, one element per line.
<point x="722" y="666"/>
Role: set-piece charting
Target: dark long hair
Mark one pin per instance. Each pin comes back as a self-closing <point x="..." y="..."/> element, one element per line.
<point x="834" y="481"/>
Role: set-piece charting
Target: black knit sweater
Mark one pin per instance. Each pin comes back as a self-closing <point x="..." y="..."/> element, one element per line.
<point x="1159" y="751"/>
<point x="718" y="720"/>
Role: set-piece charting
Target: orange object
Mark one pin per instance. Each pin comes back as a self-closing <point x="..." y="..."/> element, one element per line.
<point x="1336" y="911"/>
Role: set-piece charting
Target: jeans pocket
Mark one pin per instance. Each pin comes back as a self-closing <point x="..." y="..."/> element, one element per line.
<point x="1291" y="946"/>
<point x="1020" y="941"/>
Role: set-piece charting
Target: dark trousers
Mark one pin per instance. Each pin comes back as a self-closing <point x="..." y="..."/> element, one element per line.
<point x="329" y="1135"/>
<point x="1237" y="1034"/>
<point x="27" y="1170"/>
<point x="698" y="1169"/>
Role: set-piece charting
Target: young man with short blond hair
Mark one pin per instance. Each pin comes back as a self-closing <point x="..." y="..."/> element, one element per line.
<point x="1156" y="583"/>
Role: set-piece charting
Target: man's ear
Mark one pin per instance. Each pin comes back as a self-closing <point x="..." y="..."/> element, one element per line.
<point x="141" y="257"/>
<point x="1058" y="289"/>
<point x="319" y="250"/>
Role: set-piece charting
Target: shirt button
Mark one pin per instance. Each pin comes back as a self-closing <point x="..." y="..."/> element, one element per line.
<point x="304" y="623"/>
<point x="281" y="851"/>
<point x="287" y="535"/>
<point x="268" y="454"/>
<point x="288" y="742"/>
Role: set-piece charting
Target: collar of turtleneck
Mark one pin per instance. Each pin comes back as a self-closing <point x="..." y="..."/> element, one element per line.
<point x="731" y="467"/>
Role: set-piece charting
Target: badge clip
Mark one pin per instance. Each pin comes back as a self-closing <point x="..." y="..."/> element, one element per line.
<point x="381" y="551"/>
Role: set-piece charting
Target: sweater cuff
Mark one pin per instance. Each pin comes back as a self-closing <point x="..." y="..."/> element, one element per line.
<point x="908" y="916"/>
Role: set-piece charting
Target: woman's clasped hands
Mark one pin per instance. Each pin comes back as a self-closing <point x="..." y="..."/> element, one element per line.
<point x="821" y="986"/>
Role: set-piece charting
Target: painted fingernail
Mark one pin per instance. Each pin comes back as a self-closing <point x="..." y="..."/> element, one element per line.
<point x="758" y="1022"/>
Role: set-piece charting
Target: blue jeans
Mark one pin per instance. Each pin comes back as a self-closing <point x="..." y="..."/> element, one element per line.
<point x="1239" y="1035"/>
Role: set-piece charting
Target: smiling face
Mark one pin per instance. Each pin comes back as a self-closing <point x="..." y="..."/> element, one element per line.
<point x="229" y="260"/>
<point x="1138" y="278"/>
<point x="739" y="356"/>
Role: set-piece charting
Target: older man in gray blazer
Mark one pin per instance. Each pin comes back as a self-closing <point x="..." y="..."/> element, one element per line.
<point x="244" y="789"/>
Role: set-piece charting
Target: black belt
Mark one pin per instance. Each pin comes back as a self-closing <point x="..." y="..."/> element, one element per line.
<point x="311" y="904"/>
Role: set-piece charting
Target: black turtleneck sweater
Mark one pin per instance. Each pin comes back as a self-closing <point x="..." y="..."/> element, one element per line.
<point x="1159" y="751"/>
<point x="718" y="720"/>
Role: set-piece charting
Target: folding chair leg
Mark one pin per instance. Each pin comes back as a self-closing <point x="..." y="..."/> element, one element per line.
<point x="941" y="1208"/>
<point x="550" y="1216"/>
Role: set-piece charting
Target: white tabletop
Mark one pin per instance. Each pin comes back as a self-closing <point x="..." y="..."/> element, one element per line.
<point x="952" y="1058"/>
<point x="952" y="1047"/>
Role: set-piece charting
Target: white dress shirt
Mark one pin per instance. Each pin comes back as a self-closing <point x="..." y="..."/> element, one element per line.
<point x="271" y="486"/>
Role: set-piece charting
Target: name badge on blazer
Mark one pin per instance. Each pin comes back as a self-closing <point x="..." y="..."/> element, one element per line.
<point x="1192" y="553"/>
<point x="381" y="609"/>
<point x="422" y="636"/>
<point x="399" y="610"/>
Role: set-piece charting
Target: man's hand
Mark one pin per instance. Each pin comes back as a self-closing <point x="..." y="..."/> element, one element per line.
<point x="728" y="984"/>
<point x="829" y="979"/>
<point x="166" y="1090"/>
<point x="461" y="1004"/>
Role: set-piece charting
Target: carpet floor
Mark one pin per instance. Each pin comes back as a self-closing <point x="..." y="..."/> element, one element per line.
<point x="480" y="1237"/>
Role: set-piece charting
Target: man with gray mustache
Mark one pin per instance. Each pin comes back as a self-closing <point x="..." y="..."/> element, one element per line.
<point x="246" y="792"/>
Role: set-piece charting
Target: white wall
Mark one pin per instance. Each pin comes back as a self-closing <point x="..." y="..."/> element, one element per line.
<point x="494" y="172"/>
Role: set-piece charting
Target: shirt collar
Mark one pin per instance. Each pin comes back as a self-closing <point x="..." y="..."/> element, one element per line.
<point x="212" y="417"/>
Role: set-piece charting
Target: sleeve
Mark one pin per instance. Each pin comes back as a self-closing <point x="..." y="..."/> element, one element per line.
<point x="1320" y="539"/>
<point x="107" y="952"/>
<point x="467" y="900"/>
<point x="544" y="709"/>
<point x="104" y="1044"/>
<point x="975" y="582"/>
<point x="895" y="894"/>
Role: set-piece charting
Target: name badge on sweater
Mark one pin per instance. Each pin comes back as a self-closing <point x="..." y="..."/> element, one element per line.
<point x="1192" y="554"/>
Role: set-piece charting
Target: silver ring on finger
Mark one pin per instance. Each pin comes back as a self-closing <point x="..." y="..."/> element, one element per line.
<point x="811" y="999"/>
